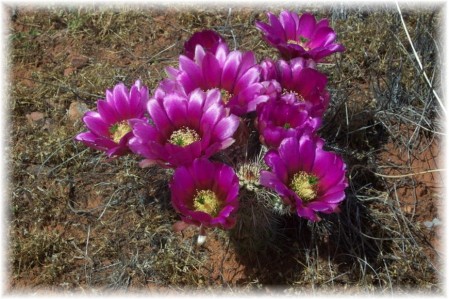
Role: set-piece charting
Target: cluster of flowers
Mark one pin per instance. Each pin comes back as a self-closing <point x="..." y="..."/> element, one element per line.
<point x="194" y="113"/>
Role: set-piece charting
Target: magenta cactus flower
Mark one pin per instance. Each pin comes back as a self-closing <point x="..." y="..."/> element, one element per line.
<point x="307" y="178"/>
<point x="236" y="74"/>
<point x="299" y="81"/>
<point x="208" y="39"/>
<point x="205" y="193"/>
<point x="110" y="127"/>
<point x="279" y="119"/>
<point x="183" y="129"/>
<point x="300" y="36"/>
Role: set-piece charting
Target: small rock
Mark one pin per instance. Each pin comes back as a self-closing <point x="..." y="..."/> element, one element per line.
<point x="434" y="222"/>
<point x="68" y="71"/>
<point x="428" y="224"/>
<point x="437" y="221"/>
<point x="35" y="117"/>
<point x="79" y="61"/>
<point x="77" y="110"/>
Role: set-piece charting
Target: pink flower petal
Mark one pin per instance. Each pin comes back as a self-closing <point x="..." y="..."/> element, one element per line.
<point x="226" y="127"/>
<point x="200" y="52"/>
<point x="277" y="165"/>
<point x="96" y="124"/>
<point x="334" y="197"/>
<point x="268" y="70"/>
<point x="205" y="175"/>
<point x="107" y="112"/>
<point x="276" y="27"/>
<point x="210" y="118"/>
<point x="211" y="71"/>
<point x="192" y="69"/>
<point x="230" y="70"/>
<point x="213" y="96"/>
<point x="322" y="37"/>
<point x="289" y="25"/>
<point x="289" y="152"/>
<point x="249" y="77"/>
<point x="159" y="116"/>
<point x="176" y="109"/>
<point x="195" y="109"/>
<point x="221" y="54"/>
<point x="307" y="213"/>
<point x="269" y="33"/>
<point x="306" y="25"/>
<point x="320" y="206"/>
<point x="138" y="98"/>
<point x="322" y="161"/>
<point x="121" y="103"/>
<point x="270" y="180"/>
<point x="187" y="83"/>
<point x="248" y="61"/>
<point x="307" y="149"/>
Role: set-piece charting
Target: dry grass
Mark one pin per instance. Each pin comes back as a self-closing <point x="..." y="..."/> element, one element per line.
<point x="79" y="222"/>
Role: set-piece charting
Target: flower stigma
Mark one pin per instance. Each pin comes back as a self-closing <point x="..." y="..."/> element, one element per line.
<point x="207" y="201"/>
<point x="305" y="185"/>
<point x="184" y="137"/>
<point x="119" y="130"/>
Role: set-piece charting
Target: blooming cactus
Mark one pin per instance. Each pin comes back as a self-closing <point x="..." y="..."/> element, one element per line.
<point x="208" y="39"/>
<point x="110" y="127"/>
<point x="299" y="81"/>
<point x="202" y="108"/>
<point x="205" y="193"/>
<point x="279" y="119"/>
<point x="307" y="178"/>
<point x="300" y="36"/>
<point x="236" y="74"/>
<point x="183" y="129"/>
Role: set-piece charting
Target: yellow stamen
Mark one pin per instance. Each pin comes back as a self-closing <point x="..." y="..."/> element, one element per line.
<point x="225" y="96"/>
<point x="207" y="201"/>
<point x="305" y="185"/>
<point x="295" y="93"/>
<point x="183" y="137"/>
<point x="119" y="130"/>
<point x="295" y="42"/>
<point x="301" y="42"/>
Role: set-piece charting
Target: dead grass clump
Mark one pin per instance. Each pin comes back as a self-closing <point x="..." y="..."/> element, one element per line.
<point x="37" y="248"/>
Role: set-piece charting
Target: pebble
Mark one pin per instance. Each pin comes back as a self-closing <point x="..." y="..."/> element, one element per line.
<point x="79" y="61"/>
<point x="77" y="110"/>
<point x="68" y="71"/>
<point x="434" y="222"/>
<point x="35" y="117"/>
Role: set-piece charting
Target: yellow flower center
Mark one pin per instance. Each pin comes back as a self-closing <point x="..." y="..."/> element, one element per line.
<point x="225" y="96"/>
<point x="301" y="42"/>
<point x="295" y="93"/>
<point x="119" y="130"/>
<point x="207" y="201"/>
<point x="305" y="185"/>
<point x="183" y="137"/>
